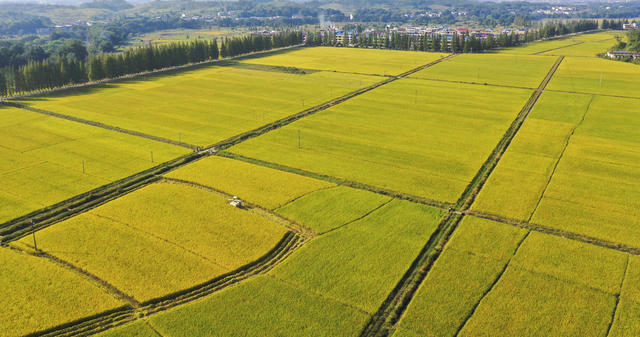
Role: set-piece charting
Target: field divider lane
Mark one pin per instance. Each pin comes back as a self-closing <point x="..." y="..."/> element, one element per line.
<point x="468" y="196"/>
<point x="552" y="49"/>
<point x="104" y="126"/>
<point x="384" y="320"/>
<point x="592" y="94"/>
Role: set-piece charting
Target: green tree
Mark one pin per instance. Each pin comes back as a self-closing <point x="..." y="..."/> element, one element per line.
<point x="3" y="85"/>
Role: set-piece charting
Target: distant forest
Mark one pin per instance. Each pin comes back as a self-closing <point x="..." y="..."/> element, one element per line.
<point x="62" y="71"/>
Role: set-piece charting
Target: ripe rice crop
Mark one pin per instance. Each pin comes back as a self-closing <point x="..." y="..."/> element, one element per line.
<point x="37" y="294"/>
<point x="266" y="187"/>
<point x="138" y="329"/>
<point x="160" y="239"/>
<point x="595" y="189"/>
<point x="597" y="76"/>
<point x="516" y="185"/>
<point x="525" y="303"/>
<point x="44" y="160"/>
<point x="626" y="321"/>
<point x="261" y="306"/>
<point x="572" y="261"/>
<point x="327" y="209"/>
<point x="419" y="137"/>
<point x="365" y="61"/>
<point x="500" y="69"/>
<point x="473" y="258"/>
<point x="201" y="106"/>
<point x="359" y="264"/>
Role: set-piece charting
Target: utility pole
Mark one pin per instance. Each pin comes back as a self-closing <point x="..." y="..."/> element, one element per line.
<point x="299" y="144"/>
<point x="152" y="156"/>
<point x="83" y="167"/>
<point x="601" y="80"/>
<point x="33" y="231"/>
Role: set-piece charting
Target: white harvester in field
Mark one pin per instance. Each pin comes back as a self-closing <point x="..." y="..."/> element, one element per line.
<point x="236" y="202"/>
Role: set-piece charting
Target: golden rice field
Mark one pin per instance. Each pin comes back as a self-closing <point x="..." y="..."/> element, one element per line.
<point x="354" y="181"/>
<point x="477" y="289"/>
<point x="160" y="239"/>
<point x="375" y="61"/>
<point x="597" y="76"/>
<point x="38" y="294"/>
<point x="263" y="186"/>
<point x="588" y="45"/>
<point x="45" y="160"/>
<point x="202" y="106"/>
<point x="398" y="137"/>
<point x="502" y="69"/>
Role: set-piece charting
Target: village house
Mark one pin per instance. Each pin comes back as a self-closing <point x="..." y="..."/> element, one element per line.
<point x="630" y="26"/>
<point x="623" y="54"/>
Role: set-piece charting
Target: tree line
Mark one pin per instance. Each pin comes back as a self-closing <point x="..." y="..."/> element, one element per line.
<point x="455" y="42"/>
<point x="63" y="71"/>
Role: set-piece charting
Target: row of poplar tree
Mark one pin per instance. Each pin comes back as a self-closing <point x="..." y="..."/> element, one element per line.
<point x="457" y="42"/>
<point x="49" y="74"/>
